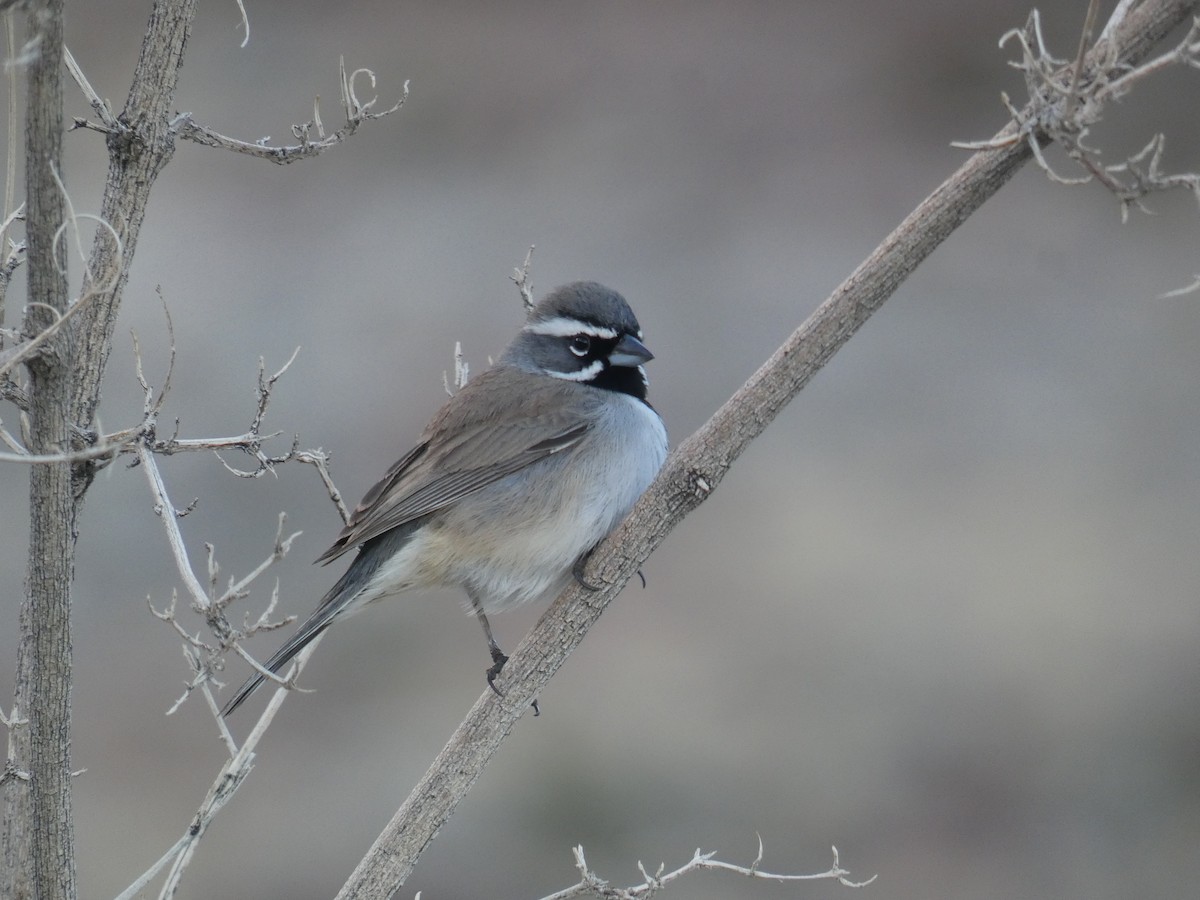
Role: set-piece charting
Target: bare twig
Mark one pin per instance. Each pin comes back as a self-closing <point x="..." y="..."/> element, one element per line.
<point x="28" y="349"/>
<point x="14" y="356"/>
<point x="592" y="885"/>
<point x="237" y="590"/>
<point x="228" y="780"/>
<point x="205" y="601"/>
<point x="166" y="513"/>
<point x="319" y="459"/>
<point x="140" y="140"/>
<point x="102" y="450"/>
<point x="101" y="107"/>
<point x="253" y="446"/>
<point x="1085" y="42"/>
<point x="245" y="22"/>
<point x="522" y="279"/>
<point x="1066" y="101"/>
<point x="356" y="113"/>
<point x="462" y="372"/>
<point x="206" y="656"/>
<point x="1185" y="53"/>
<point x="72" y="223"/>
<point x="1186" y="289"/>
<point x="108" y="446"/>
<point x="205" y="660"/>
<point x="11" y="722"/>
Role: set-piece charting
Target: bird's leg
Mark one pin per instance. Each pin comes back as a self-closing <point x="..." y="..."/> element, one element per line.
<point x="498" y="656"/>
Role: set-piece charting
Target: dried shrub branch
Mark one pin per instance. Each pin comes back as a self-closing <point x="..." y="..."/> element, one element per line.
<point x="1067" y="100"/>
<point x="356" y="112"/>
<point x="207" y="599"/>
<point x="592" y="885"/>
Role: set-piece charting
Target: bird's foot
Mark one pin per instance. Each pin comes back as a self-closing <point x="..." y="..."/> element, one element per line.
<point x="498" y="661"/>
<point x="577" y="572"/>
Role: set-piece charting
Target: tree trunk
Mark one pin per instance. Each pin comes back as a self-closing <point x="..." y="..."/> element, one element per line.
<point x="43" y="853"/>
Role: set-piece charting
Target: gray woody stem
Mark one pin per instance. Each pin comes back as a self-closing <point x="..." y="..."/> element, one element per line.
<point x="695" y="469"/>
<point x="139" y="148"/>
<point x="38" y="841"/>
<point x="39" y="854"/>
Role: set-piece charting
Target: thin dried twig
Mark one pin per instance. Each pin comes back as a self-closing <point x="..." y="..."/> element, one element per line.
<point x="356" y="113"/>
<point x="462" y="372"/>
<point x="109" y="446"/>
<point x="25" y="350"/>
<point x="253" y="447"/>
<point x="592" y="885"/>
<point x="1066" y="101"/>
<point x="207" y="602"/>
<point x="14" y="356"/>
<point x="13" y="257"/>
<point x="228" y="780"/>
<point x="102" y="107"/>
<point x="1186" y="289"/>
<point x="11" y="723"/>
<point x="206" y="659"/>
<point x="206" y="656"/>
<point x="522" y="279"/>
<point x="319" y="459"/>
<point x="245" y="22"/>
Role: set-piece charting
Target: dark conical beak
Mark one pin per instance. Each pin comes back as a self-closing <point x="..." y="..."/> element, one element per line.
<point x="629" y="352"/>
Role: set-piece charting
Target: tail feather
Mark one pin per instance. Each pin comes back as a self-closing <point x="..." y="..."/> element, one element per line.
<point x="341" y="596"/>
<point x="315" y="624"/>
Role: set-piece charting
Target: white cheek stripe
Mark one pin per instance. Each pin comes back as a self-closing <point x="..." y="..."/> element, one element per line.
<point x="585" y="374"/>
<point x="562" y="326"/>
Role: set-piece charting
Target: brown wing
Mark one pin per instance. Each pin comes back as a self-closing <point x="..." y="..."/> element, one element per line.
<point x="496" y="425"/>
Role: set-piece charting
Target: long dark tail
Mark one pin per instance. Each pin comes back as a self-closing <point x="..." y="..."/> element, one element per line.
<point x="371" y="555"/>
<point x="314" y="625"/>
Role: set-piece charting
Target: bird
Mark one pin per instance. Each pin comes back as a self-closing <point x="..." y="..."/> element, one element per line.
<point x="515" y="479"/>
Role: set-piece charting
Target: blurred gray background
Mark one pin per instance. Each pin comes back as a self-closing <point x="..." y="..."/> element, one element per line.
<point x="943" y="614"/>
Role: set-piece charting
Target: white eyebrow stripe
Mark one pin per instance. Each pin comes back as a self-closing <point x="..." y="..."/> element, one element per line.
<point x="585" y="374"/>
<point x="562" y="326"/>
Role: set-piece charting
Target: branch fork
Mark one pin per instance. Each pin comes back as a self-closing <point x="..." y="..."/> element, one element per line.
<point x="1065" y="99"/>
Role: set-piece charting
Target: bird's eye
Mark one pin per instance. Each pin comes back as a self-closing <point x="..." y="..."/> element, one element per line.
<point x="581" y="344"/>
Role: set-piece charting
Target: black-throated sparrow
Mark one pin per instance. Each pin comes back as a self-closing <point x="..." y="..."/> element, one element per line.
<point x="517" y="477"/>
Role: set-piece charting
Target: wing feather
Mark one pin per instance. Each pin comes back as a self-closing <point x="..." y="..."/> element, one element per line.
<point x="480" y="436"/>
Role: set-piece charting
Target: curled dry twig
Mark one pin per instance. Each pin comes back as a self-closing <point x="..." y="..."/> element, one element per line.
<point x="33" y="344"/>
<point x="1067" y="99"/>
<point x="184" y="126"/>
<point x="356" y="112"/>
